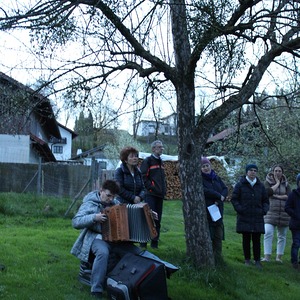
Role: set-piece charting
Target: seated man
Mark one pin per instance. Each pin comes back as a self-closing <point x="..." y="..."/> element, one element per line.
<point x="89" y="219"/>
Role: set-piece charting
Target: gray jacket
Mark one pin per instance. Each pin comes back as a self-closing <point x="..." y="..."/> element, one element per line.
<point x="84" y="220"/>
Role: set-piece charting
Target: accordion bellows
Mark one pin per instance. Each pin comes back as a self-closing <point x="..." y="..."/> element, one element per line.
<point x="129" y="222"/>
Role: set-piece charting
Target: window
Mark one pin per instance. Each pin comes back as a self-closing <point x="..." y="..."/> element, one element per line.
<point x="58" y="149"/>
<point x="151" y="128"/>
<point x="102" y="165"/>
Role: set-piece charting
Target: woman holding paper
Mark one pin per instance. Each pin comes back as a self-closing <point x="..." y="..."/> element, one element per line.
<point x="251" y="202"/>
<point x="215" y="192"/>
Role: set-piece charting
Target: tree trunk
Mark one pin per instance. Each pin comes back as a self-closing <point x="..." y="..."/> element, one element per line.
<point x="198" y="242"/>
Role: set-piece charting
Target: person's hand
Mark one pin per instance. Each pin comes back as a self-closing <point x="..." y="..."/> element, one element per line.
<point x="154" y="215"/>
<point x="100" y="217"/>
<point x="137" y="199"/>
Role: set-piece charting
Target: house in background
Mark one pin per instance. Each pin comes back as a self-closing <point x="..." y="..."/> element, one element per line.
<point x="98" y="155"/>
<point x="62" y="148"/>
<point x="28" y="128"/>
<point x="166" y="126"/>
<point x="148" y="127"/>
<point x="169" y="123"/>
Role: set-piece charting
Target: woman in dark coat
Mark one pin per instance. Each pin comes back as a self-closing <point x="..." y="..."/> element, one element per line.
<point x="129" y="177"/>
<point x="250" y="201"/>
<point x="215" y="192"/>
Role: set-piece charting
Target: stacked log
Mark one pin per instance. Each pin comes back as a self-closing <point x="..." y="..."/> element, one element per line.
<point x="173" y="181"/>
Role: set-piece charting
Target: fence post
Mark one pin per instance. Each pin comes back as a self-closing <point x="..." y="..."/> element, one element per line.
<point x="93" y="170"/>
<point x="39" y="177"/>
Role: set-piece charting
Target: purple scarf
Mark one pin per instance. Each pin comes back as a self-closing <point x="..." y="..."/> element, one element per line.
<point x="212" y="175"/>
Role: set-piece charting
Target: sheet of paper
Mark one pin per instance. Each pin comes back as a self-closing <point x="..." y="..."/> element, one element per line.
<point x="214" y="212"/>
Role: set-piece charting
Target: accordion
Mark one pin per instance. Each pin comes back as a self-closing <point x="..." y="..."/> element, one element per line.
<point x="129" y="222"/>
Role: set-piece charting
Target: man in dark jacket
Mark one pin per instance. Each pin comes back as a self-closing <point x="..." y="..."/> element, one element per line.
<point x="251" y="202"/>
<point x="292" y="207"/>
<point x="153" y="173"/>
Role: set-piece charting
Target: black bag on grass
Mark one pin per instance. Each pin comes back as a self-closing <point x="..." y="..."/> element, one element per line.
<point x="136" y="277"/>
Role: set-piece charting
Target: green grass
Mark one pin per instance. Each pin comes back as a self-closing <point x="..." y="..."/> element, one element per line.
<point x="35" y="242"/>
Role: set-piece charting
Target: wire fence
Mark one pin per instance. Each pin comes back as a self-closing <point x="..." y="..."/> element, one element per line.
<point x="58" y="180"/>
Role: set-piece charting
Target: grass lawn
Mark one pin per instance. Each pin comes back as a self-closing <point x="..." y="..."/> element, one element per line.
<point x="35" y="244"/>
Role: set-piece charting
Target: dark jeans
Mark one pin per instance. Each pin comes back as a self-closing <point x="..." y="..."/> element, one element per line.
<point x="156" y="204"/>
<point x="255" y="238"/>
<point x="295" y="246"/>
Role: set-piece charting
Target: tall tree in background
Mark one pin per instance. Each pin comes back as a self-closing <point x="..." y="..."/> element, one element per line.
<point x="84" y="127"/>
<point x="220" y="49"/>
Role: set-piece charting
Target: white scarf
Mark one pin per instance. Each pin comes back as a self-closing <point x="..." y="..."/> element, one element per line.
<point x="252" y="182"/>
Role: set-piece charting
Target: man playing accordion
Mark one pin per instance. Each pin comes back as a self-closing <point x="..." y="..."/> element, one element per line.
<point x="89" y="219"/>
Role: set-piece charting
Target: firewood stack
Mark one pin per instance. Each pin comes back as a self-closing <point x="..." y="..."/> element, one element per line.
<point x="173" y="181"/>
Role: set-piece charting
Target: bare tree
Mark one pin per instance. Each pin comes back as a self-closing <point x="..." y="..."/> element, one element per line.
<point x="225" y="46"/>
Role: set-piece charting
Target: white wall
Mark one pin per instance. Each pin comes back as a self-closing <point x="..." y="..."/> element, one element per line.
<point x="15" y="149"/>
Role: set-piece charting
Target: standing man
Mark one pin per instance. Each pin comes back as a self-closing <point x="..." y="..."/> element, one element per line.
<point x="154" y="177"/>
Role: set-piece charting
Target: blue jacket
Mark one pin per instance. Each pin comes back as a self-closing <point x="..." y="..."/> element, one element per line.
<point x="130" y="185"/>
<point x="214" y="188"/>
<point x="292" y="207"/>
<point x="84" y="220"/>
<point x="251" y="204"/>
<point x="154" y="177"/>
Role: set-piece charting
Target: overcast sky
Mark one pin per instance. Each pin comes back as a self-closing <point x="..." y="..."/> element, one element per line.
<point x="19" y="61"/>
